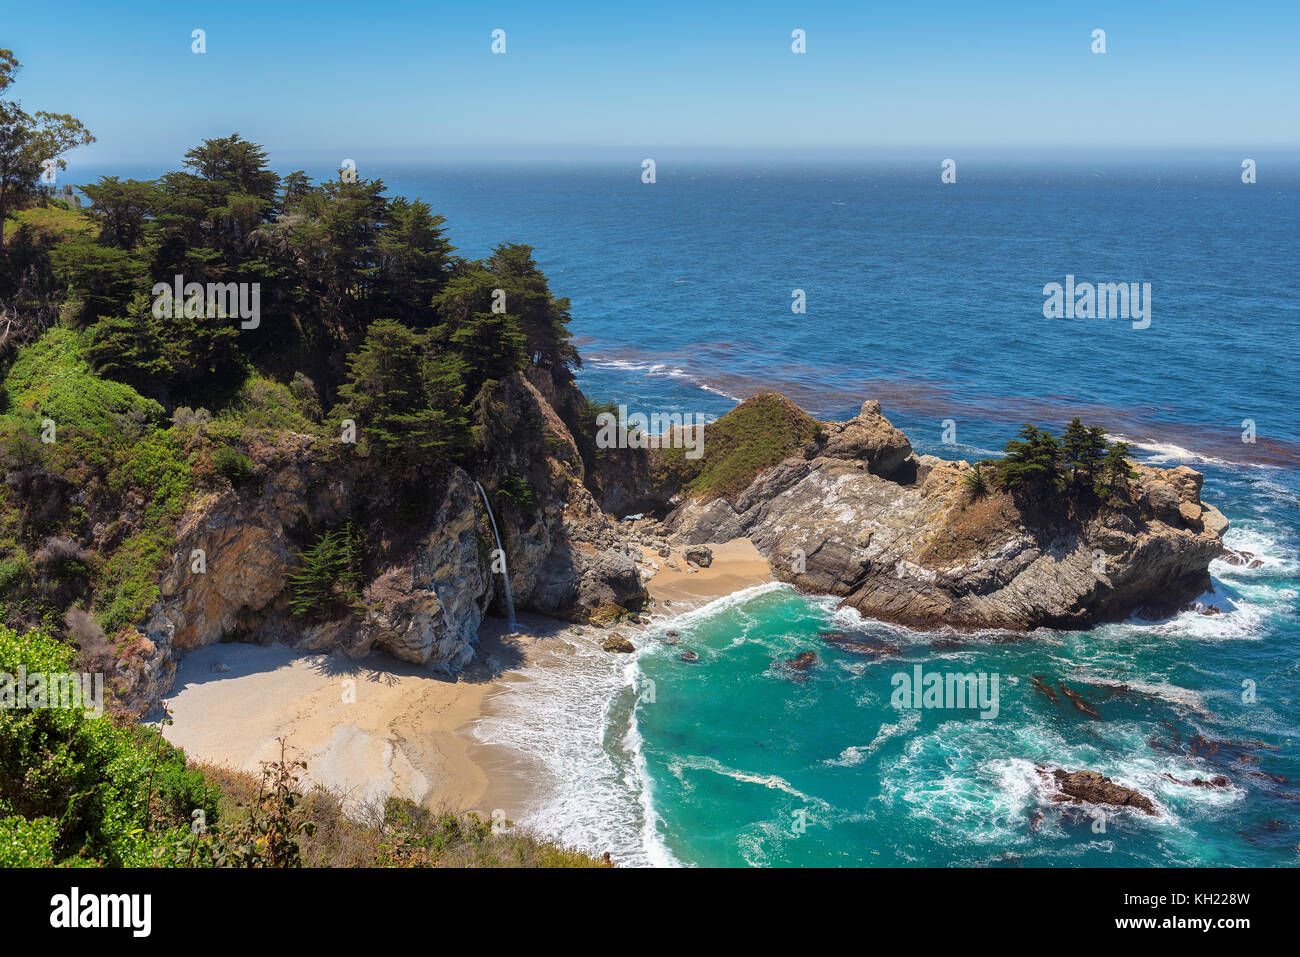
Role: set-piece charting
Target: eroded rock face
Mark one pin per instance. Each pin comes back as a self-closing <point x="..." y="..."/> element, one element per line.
<point x="429" y="585"/>
<point x="568" y="559"/>
<point x="868" y="438"/>
<point x="429" y="611"/>
<point x="916" y="549"/>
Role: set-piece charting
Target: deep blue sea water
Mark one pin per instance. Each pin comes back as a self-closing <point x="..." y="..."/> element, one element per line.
<point x="929" y="297"/>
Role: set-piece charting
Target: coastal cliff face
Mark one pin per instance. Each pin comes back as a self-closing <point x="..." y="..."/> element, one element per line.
<point x="431" y="582"/>
<point x="856" y="514"/>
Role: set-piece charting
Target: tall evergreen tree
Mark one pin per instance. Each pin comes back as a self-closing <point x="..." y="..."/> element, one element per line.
<point x="391" y="387"/>
<point x="1032" y="460"/>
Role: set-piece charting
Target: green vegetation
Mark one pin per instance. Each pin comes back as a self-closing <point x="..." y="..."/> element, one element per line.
<point x="28" y="141"/>
<point x="81" y="789"/>
<point x="1081" y="464"/>
<point x="118" y="406"/>
<point x="975" y="482"/>
<point x="755" y="435"/>
<point x="78" y="789"/>
<point x="328" y="578"/>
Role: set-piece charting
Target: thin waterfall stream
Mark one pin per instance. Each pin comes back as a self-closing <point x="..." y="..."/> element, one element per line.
<point x="505" y="570"/>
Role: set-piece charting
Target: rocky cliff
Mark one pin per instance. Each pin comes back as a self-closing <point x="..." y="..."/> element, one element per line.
<point x="428" y="580"/>
<point x="856" y="514"/>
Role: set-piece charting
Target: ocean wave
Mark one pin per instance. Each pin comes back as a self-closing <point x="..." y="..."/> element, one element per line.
<point x="1261" y="543"/>
<point x="590" y="801"/>
<point x="651" y="368"/>
<point x="1166" y="453"/>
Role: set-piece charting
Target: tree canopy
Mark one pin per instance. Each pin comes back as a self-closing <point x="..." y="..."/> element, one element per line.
<point x="361" y="296"/>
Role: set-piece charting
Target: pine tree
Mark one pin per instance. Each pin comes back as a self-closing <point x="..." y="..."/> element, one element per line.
<point x="1115" y="471"/>
<point x="328" y="577"/>
<point x="405" y="400"/>
<point x="1033" y="460"/>
<point x="1083" y="448"/>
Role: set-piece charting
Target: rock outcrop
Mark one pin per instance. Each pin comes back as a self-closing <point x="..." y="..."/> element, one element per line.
<point x="899" y="537"/>
<point x="1090" y="787"/>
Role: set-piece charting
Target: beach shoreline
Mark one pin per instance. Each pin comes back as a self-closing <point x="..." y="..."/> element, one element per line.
<point x="377" y="726"/>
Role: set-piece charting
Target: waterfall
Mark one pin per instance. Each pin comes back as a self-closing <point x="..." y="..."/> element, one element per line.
<point x="505" y="570"/>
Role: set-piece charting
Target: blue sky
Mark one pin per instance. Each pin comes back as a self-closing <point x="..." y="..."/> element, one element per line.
<point x="363" y="78"/>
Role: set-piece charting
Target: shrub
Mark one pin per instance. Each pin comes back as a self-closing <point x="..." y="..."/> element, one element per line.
<point x="235" y="466"/>
<point x="975" y="483"/>
<point x="515" y="490"/>
<point x="87" y="775"/>
<point x="328" y="578"/>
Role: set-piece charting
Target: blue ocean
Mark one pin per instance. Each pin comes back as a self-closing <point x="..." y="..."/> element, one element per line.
<point x="929" y="297"/>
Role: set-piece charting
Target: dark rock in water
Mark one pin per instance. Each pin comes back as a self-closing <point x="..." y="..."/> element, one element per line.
<point x="1203" y="609"/>
<point x="690" y="656"/>
<point x="1242" y="559"/>
<point x="1089" y="787"/>
<point x="866" y="646"/>
<point x="1043" y="687"/>
<point x="673" y="634"/>
<point x="802" y="661"/>
<point x="1076" y="699"/>
<point x="618" y="643"/>
<point x="1218" y="781"/>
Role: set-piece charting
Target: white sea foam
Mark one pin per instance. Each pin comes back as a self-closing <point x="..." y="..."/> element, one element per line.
<point x="856" y="754"/>
<point x="560" y="715"/>
<point x="1183" y="697"/>
<point x="657" y="369"/>
<point x="1260" y="543"/>
<point x="1165" y="453"/>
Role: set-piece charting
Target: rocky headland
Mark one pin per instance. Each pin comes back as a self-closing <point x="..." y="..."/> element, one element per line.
<point x="848" y="509"/>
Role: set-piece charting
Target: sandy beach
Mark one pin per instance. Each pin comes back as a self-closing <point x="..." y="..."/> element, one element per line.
<point x="678" y="586"/>
<point x="379" y="726"/>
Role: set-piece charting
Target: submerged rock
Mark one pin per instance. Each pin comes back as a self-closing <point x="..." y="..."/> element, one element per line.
<point x="802" y="661"/>
<point x="864" y="645"/>
<point x="1218" y="781"/>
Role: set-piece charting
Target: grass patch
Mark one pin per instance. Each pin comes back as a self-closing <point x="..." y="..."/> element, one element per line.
<point x="754" y="436"/>
<point x="54" y="221"/>
<point x="127" y="584"/>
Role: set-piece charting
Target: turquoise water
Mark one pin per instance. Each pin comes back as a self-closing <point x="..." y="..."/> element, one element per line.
<point x="735" y="745"/>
